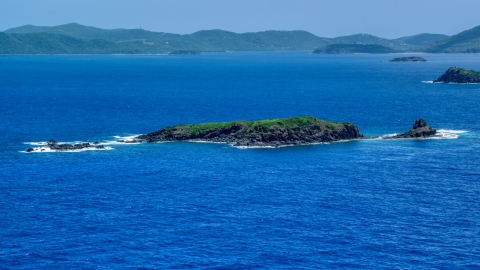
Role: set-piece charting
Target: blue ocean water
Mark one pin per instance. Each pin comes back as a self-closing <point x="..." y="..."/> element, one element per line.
<point x="382" y="204"/>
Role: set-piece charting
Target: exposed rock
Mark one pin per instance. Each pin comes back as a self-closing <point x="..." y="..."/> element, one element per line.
<point x="420" y="130"/>
<point x="459" y="75"/>
<point x="408" y="59"/>
<point x="264" y="133"/>
<point x="53" y="145"/>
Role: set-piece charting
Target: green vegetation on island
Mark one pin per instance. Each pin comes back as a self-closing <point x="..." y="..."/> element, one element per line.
<point x="459" y="75"/>
<point x="465" y="42"/>
<point x="420" y="39"/>
<point x="273" y="132"/>
<point x="74" y="38"/>
<point x="352" y="48"/>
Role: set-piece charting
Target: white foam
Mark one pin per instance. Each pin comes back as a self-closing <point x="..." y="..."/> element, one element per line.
<point x="126" y="140"/>
<point x="35" y="143"/>
<point x="447" y="83"/>
<point x="387" y="136"/>
<point x="130" y="137"/>
<point x="448" y="134"/>
<point x="441" y="134"/>
<point x="432" y="82"/>
<point x="48" y="150"/>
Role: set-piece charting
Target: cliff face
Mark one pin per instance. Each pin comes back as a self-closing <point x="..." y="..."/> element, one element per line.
<point x="275" y="132"/>
<point x="459" y="75"/>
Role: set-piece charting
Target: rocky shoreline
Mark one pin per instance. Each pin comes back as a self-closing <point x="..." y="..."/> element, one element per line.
<point x="419" y="130"/>
<point x="53" y="145"/>
<point x="271" y="133"/>
<point x="264" y="133"/>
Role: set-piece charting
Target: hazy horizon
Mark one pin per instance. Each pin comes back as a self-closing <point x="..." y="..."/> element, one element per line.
<point x="325" y="19"/>
<point x="208" y="30"/>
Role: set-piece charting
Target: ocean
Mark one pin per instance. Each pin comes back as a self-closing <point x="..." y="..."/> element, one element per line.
<point x="373" y="204"/>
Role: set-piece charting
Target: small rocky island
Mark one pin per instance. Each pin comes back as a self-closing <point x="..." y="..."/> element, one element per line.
<point x="409" y="59"/>
<point x="420" y="130"/>
<point x="459" y="75"/>
<point x="263" y="133"/>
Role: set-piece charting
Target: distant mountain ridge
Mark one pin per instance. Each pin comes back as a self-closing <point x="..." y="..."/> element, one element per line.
<point x="421" y="39"/>
<point x="74" y="38"/>
<point x="464" y="42"/>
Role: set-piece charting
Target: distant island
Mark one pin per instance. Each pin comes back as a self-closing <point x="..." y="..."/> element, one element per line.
<point x="271" y="133"/>
<point x="352" y="48"/>
<point x="74" y="38"/>
<point x="459" y="75"/>
<point x="408" y="59"/>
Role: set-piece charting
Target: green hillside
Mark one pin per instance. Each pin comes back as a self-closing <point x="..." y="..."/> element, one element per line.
<point x="352" y="48"/>
<point x="208" y="40"/>
<point x="88" y="32"/>
<point x="465" y="42"/>
<point x="367" y="39"/>
<point x="74" y="38"/>
<point x="420" y="39"/>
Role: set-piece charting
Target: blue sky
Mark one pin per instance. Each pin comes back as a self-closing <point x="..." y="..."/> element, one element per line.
<point x="326" y="18"/>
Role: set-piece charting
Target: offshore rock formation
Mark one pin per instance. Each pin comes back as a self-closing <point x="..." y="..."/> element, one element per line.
<point x="408" y="59"/>
<point x="56" y="147"/>
<point x="420" y="130"/>
<point x="459" y="75"/>
<point x="263" y="133"/>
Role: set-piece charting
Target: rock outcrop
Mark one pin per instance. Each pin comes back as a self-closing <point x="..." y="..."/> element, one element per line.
<point x="459" y="75"/>
<point x="53" y="145"/>
<point x="264" y="133"/>
<point x="420" y="130"/>
<point x="408" y="59"/>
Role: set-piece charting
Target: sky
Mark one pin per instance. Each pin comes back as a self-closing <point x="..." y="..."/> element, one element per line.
<point x="325" y="18"/>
